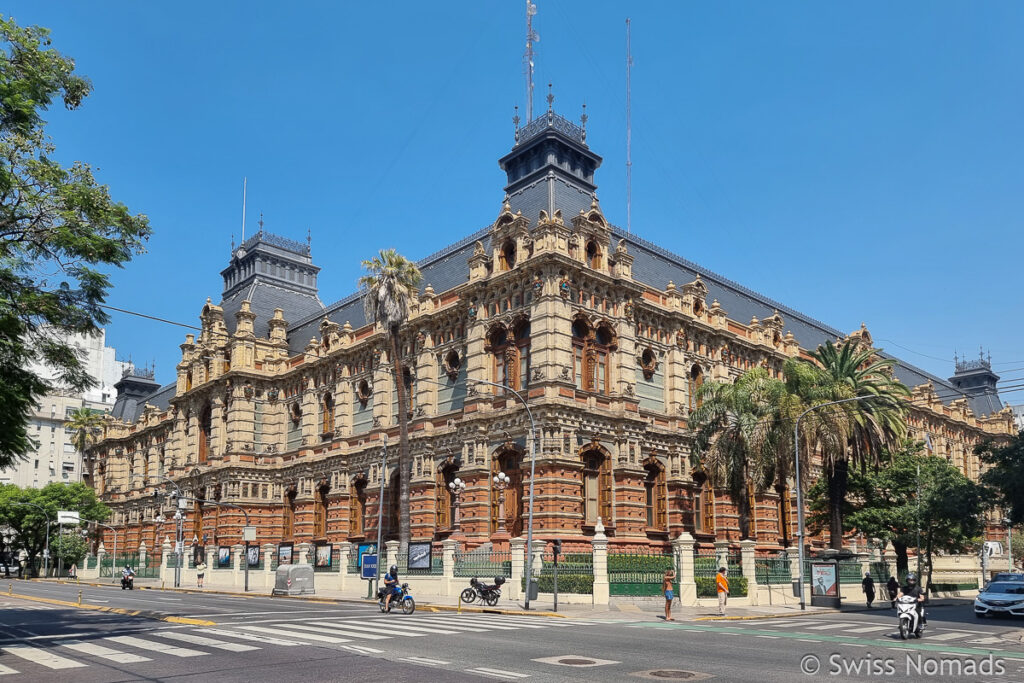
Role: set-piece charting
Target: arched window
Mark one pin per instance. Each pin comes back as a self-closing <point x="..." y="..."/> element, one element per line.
<point x="288" y="514"/>
<point x="294" y="426"/>
<point x="327" y="415"/>
<point x="444" y="500"/>
<point x="591" y="353"/>
<point x="704" y="509"/>
<point x="593" y="255"/>
<point x="510" y="462"/>
<point x="695" y="382"/>
<point x="507" y="255"/>
<point x="320" y="511"/>
<point x="510" y="355"/>
<point x="197" y="521"/>
<point x="597" y="487"/>
<point x="205" y="429"/>
<point x="357" y="507"/>
<point x="656" y="496"/>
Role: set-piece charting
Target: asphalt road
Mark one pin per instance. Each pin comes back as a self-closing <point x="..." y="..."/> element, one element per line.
<point x="260" y="639"/>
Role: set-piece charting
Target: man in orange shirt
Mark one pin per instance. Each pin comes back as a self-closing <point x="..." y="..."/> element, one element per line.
<point x="722" y="584"/>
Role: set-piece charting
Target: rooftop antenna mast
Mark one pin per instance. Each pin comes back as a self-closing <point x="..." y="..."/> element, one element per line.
<point x="244" y="181"/>
<point x="629" y="135"/>
<point x="531" y="38"/>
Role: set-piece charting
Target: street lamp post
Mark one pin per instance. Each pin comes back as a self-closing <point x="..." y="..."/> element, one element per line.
<point x="113" y="560"/>
<point x="1009" y="540"/>
<point x="179" y="517"/>
<point x="799" y="485"/>
<point x="457" y="487"/>
<point x="244" y="512"/>
<point x="501" y="482"/>
<point x="46" y="551"/>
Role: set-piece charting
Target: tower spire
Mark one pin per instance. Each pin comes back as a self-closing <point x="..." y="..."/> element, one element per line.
<point x="629" y="134"/>
<point x="531" y="38"/>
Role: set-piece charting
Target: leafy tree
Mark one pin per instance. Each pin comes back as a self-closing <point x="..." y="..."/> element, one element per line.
<point x="1005" y="475"/>
<point x="29" y="522"/>
<point x="886" y="504"/>
<point x="856" y="432"/>
<point x="738" y="434"/>
<point x="58" y="228"/>
<point x="68" y="548"/>
<point x="389" y="284"/>
<point x="85" y="425"/>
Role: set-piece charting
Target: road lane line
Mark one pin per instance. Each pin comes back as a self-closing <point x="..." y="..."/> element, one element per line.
<point x="949" y="636"/>
<point x="455" y="621"/>
<point x="154" y="646"/>
<point x="825" y="627"/>
<point x="282" y="632"/>
<point x="867" y="629"/>
<point x="249" y="636"/>
<point x="401" y="628"/>
<point x="39" y="656"/>
<point x="498" y="673"/>
<point x="5" y="670"/>
<point x="103" y="652"/>
<point x="363" y="650"/>
<point x="209" y="642"/>
<point x="425" y="660"/>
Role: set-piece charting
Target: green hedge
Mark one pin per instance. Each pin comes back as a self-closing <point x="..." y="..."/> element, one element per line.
<point x="706" y="587"/>
<point x="950" y="587"/>
<point x="640" y="563"/>
<point x="567" y="583"/>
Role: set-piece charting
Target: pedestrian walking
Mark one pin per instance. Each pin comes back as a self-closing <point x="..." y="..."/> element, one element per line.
<point x="893" y="586"/>
<point x="666" y="588"/>
<point x="73" y="572"/>
<point x="722" y="587"/>
<point x="867" y="586"/>
<point x="200" y="573"/>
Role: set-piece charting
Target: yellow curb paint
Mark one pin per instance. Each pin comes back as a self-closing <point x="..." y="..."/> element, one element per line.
<point x="118" y="610"/>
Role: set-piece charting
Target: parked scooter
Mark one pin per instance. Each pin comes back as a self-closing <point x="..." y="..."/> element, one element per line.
<point x="910" y="621"/>
<point x="403" y="599"/>
<point x="487" y="594"/>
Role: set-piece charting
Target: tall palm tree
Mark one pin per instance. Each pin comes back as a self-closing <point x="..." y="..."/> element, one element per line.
<point x="86" y="425"/>
<point x="390" y="282"/>
<point x="859" y="430"/>
<point x="739" y="431"/>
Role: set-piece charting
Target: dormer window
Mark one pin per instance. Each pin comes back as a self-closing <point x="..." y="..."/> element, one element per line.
<point x="593" y="255"/>
<point x="507" y="256"/>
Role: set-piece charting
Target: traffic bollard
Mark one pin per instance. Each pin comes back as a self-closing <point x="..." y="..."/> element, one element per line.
<point x="460" y="604"/>
<point x="10" y="589"/>
<point x="79" y="598"/>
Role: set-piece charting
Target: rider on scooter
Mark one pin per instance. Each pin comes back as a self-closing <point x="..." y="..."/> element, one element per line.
<point x="391" y="586"/>
<point x="126" y="576"/>
<point x="912" y="590"/>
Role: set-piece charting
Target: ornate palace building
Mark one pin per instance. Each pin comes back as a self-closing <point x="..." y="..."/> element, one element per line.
<point x="285" y="406"/>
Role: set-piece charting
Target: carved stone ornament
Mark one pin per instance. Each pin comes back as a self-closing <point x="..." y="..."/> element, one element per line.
<point x="566" y="371"/>
<point x="681" y="339"/>
<point x="420" y="340"/>
<point x="471" y="312"/>
<point x="248" y="391"/>
<point x="376" y="421"/>
<point x="273" y="394"/>
<point x="627" y="309"/>
<point x="629" y="391"/>
<point x="564" y="289"/>
<point x="538" y="284"/>
<point x="538" y="374"/>
<point x="451" y="363"/>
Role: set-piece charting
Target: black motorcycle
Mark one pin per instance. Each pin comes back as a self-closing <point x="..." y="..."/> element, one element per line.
<point x="486" y="594"/>
<point x="402" y="598"/>
<point x="128" y="582"/>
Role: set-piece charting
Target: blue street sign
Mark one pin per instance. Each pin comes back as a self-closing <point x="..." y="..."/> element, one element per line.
<point x="369" y="566"/>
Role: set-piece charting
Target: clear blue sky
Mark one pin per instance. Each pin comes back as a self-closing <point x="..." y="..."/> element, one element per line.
<point x="859" y="162"/>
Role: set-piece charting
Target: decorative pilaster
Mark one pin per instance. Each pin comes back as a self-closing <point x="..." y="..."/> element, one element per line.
<point x="682" y="548"/>
<point x="747" y="552"/>
<point x="518" y="546"/>
<point x="600" y="560"/>
<point x="448" y="549"/>
<point x="344" y="551"/>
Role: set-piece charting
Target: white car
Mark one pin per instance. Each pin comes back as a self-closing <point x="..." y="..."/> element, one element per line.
<point x="1000" y="597"/>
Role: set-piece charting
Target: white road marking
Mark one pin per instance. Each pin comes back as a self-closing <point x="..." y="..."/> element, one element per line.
<point x="362" y="649"/>
<point x="40" y="656"/>
<point x="455" y="621"/>
<point x="867" y="629"/>
<point x="772" y="637"/>
<point x="282" y="632"/>
<point x="986" y="641"/>
<point x="425" y="660"/>
<point x="103" y="652"/>
<point x="210" y="642"/>
<point x="154" y="646"/>
<point x="5" y="670"/>
<point x="331" y="630"/>
<point x="249" y="636"/>
<point x="950" y="636"/>
<point x="403" y="627"/>
<point x="825" y="627"/>
<point x="497" y="673"/>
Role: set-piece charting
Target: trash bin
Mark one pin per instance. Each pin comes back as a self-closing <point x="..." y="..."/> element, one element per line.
<point x="533" y="591"/>
<point x="796" y="588"/>
<point x="294" y="579"/>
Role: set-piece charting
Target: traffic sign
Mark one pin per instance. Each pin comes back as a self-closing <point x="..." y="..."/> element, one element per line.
<point x="369" y="566"/>
<point x="67" y="517"/>
<point x="248" y="533"/>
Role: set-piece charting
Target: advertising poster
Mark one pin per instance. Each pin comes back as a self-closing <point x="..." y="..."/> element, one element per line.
<point x="198" y="554"/>
<point x="252" y="555"/>
<point x="224" y="556"/>
<point x="824" y="580"/>
<point x="420" y="555"/>
<point x="284" y="553"/>
<point x="323" y="555"/>
<point x="365" y="549"/>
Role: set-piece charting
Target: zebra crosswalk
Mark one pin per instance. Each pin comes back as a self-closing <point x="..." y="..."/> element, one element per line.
<point x="876" y="630"/>
<point x="364" y="634"/>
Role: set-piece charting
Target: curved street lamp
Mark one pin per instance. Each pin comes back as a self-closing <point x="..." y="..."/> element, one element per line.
<point x="457" y="487"/>
<point x="501" y="482"/>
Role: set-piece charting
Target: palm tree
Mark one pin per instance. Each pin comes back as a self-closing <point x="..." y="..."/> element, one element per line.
<point x="739" y="432"/>
<point x="85" y="424"/>
<point x="389" y="284"/>
<point x="857" y="432"/>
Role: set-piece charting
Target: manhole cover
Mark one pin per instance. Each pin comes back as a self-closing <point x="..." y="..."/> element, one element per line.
<point x="576" y="662"/>
<point x="671" y="675"/>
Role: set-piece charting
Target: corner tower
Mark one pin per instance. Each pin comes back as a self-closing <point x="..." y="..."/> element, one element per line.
<point x="550" y="167"/>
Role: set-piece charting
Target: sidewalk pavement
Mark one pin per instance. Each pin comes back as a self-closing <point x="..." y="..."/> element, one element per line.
<point x="652" y="610"/>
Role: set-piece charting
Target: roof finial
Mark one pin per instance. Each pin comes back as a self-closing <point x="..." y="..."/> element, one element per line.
<point x="583" y="121"/>
<point x="261" y="222"/>
<point x="551" y="97"/>
<point x="309" y="238"/>
<point x="232" y="243"/>
<point x="515" y="121"/>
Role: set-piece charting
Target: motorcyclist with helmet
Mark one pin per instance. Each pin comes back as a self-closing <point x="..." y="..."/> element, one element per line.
<point x="391" y="586"/>
<point x="913" y="590"/>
